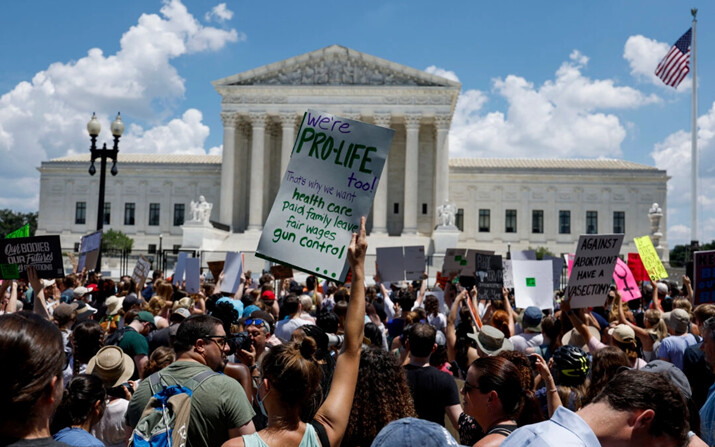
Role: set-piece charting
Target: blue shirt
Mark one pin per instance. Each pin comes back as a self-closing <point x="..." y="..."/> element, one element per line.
<point x="77" y="437"/>
<point x="565" y="428"/>
<point x="707" y="418"/>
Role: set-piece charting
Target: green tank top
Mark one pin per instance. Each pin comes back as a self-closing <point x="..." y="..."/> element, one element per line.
<point x="310" y="439"/>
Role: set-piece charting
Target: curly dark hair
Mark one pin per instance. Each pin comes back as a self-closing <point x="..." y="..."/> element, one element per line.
<point x="376" y="406"/>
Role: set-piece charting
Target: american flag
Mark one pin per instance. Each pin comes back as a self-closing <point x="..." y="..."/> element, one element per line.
<point x="673" y="68"/>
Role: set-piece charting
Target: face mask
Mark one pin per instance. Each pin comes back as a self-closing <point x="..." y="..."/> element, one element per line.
<point x="260" y="401"/>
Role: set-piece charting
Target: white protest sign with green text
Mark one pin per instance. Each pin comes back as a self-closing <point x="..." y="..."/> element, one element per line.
<point x="330" y="182"/>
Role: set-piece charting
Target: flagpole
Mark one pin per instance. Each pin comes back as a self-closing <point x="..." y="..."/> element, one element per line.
<point x="694" y="139"/>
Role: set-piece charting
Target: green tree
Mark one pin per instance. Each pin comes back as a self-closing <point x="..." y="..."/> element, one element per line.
<point x="541" y="252"/>
<point x="11" y="221"/>
<point x="113" y="241"/>
<point x="680" y="254"/>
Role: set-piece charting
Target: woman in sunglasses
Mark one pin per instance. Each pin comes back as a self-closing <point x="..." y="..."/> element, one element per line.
<point x="290" y="377"/>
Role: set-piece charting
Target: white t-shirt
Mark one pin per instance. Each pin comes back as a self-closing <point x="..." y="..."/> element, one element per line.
<point x="284" y="328"/>
<point x="111" y="429"/>
<point x="526" y="340"/>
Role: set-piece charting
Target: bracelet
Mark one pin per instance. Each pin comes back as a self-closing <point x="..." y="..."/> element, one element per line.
<point x="552" y="391"/>
<point x="252" y="367"/>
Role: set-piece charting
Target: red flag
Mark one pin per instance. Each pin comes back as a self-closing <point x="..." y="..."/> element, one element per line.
<point x="637" y="267"/>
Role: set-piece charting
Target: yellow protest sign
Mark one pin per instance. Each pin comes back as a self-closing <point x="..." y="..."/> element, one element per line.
<point x="650" y="258"/>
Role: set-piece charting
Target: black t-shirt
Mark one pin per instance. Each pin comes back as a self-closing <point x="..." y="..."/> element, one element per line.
<point x="699" y="375"/>
<point x="432" y="390"/>
<point x="38" y="442"/>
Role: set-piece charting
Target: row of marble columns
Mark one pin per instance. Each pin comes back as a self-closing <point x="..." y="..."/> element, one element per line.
<point x="288" y="121"/>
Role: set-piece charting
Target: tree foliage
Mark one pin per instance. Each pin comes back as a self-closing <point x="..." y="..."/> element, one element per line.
<point x="116" y="241"/>
<point x="680" y="254"/>
<point x="541" y="252"/>
<point x="11" y="221"/>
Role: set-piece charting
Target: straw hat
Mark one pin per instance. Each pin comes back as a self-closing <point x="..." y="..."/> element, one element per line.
<point x="111" y="365"/>
<point x="573" y="338"/>
<point x="114" y="305"/>
<point x="491" y="340"/>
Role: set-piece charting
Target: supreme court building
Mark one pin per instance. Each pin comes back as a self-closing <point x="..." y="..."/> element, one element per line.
<point x="501" y="203"/>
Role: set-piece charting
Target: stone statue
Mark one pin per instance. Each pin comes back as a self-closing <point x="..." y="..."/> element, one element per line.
<point x="201" y="210"/>
<point x="655" y="214"/>
<point x="446" y="213"/>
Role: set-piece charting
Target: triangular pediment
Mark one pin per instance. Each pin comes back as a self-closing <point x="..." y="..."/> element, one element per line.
<point x="335" y="66"/>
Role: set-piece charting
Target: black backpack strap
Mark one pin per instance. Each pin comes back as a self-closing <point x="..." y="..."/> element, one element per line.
<point x="322" y="434"/>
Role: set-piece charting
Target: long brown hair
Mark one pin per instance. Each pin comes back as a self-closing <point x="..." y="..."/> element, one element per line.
<point x="291" y="368"/>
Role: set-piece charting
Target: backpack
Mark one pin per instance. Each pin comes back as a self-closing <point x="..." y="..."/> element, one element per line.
<point x="116" y="337"/>
<point x="165" y="419"/>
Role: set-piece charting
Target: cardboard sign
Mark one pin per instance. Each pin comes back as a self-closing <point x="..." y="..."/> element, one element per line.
<point x="625" y="282"/>
<point x="180" y="268"/>
<point x="232" y="272"/>
<point x="141" y="271"/>
<point x="454" y="261"/>
<point x="704" y="281"/>
<point x="490" y="276"/>
<point x="23" y="231"/>
<point x="330" y="182"/>
<point x="193" y="275"/>
<point x="42" y="252"/>
<point x="650" y="258"/>
<point x="281" y="271"/>
<point x="508" y="274"/>
<point x="592" y="271"/>
<point x="523" y="255"/>
<point x="89" y="247"/>
<point x="215" y="267"/>
<point x="533" y="284"/>
<point x="400" y="263"/>
<point x="636" y="266"/>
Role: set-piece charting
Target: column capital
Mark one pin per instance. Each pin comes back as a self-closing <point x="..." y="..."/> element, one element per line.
<point x="351" y="115"/>
<point x="230" y="119"/>
<point x="442" y="121"/>
<point x="288" y="119"/>
<point x="258" y="119"/>
<point x="382" y="119"/>
<point x="412" y="120"/>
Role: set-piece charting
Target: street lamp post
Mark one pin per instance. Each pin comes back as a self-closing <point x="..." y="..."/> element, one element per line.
<point x="161" y="253"/>
<point x="94" y="127"/>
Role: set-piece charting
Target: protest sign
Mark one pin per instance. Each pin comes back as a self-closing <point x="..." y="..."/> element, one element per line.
<point x="232" y="272"/>
<point x="636" y="266"/>
<point x="193" y="275"/>
<point x="89" y="246"/>
<point x="215" y="267"/>
<point x="454" y="261"/>
<point x="281" y="271"/>
<point x="42" y="252"/>
<point x="141" y="271"/>
<point x="704" y="282"/>
<point x="592" y="271"/>
<point x="557" y="265"/>
<point x="523" y="255"/>
<point x="650" y="258"/>
<point x="414" y="262"/>
<point x="390" y="263"/>
<point x="508" y="274"/>
<point x="329" y="184"/>
<point x="178" y="276"/>
<point x="400" y="263"/>
<point x="490" y="276"/>
<point x="533" y="283"/>
<point x="23" y="231"/>
<point x="568" y="258"/>
<point x="625" y="282"/>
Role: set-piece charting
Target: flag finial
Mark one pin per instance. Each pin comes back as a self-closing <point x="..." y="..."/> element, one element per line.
<point x="694" y="12"/>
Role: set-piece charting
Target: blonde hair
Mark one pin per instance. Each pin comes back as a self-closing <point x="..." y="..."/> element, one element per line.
<point x="658" y="328"/>
<point x="156" y="304"/>
<point x="683" y="303"/>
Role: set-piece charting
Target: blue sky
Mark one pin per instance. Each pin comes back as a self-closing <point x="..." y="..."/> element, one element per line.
<point x="556" y="79"/>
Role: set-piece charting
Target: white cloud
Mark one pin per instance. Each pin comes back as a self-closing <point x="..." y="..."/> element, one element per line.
<point x="674" y="155"/>
<point x="46" y="117"/>
<point x="643" y="55"/>
<point x="564" y="117"/>
<point x="448" y="74"/>
<point x="219" y="13"/>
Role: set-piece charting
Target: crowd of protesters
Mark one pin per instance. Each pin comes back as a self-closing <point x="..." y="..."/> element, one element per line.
<point x="283" y="363"/>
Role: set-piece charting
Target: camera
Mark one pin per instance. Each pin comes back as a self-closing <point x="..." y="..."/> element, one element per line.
<point x="240" y="340"/>
<point x="335" y="340"/>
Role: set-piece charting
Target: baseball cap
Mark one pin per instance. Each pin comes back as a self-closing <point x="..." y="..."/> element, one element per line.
<point x="182" y="311"/>
<point x="129" y="302"/>
<point x="573" y="338"/>
<point x="672" y="373"/>
<point x="623" y="333"/>
<point x="145" y="317"/>
<point x="532" y="319"/>
<point x="678" y="320"/>
<point x="268" y="296"/>
<point x="92" y="287"/>
<point x="48" y="282"/>
<point x="79" y="292"/>
<point x="413" y="432"/>
<point x="64" y="312"/>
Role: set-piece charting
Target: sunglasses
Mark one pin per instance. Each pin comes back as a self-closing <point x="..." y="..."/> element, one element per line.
<point x="255" y="322"/>
<point x="469" y="387"/>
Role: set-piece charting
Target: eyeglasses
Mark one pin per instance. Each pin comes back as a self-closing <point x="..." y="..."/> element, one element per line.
<point x="220" y="340"/>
